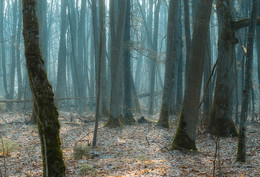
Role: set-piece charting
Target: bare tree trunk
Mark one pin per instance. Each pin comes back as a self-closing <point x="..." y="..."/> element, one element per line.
<point x="220" y="122"/>
<point x="3" y="56"/>
<point x="62" y="57"/>
<point x="128" y="117"/>
<point x="241" y="149"/>
<point x="47" y="114"/>
<point x="186" y="132"/>
<point x="169" y="65"/>
<point x="117" y="21"/>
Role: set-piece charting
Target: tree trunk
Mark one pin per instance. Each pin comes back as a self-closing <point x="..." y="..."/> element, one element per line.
<point x="207" y="72"/>
<point x="169" y="65"/>
<point x="117" y="32"/>
<point x="61" y="74"/>
<point x="47" y="114"/>
<point x="241" y="149"/>
<point x="13" y="57"/>
<point x="186" y="132"/>
<point x="128" y="117"/>
<point x="258" y="50"/>
<point x="220" y="122"/>
<point x="3" y="56"/>
<point x="153" y="62"/>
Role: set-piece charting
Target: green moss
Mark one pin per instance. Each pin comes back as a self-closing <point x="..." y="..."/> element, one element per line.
<point x="113" y="122"/>
<point x="222" y="127"/>
<point x="127" y="120"/>
<point x="181" y="140"/>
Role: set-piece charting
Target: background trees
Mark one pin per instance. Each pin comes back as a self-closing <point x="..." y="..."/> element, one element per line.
<point x="141" y="57"/>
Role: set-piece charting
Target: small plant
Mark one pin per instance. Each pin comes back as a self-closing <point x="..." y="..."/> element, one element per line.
<point x="142" y="157"/>
<point x="82" y="150"/>
<point x="7" y="146"/>
<point x="86" y="169"/>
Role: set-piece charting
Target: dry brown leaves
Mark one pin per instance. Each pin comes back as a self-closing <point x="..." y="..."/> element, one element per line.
<point x="139" y="150"/>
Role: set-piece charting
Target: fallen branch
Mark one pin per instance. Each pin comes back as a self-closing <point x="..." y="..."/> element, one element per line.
<point x="57" y="99"/>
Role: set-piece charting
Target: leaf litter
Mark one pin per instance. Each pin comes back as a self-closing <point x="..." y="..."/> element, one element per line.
<point x="137" y="150"/>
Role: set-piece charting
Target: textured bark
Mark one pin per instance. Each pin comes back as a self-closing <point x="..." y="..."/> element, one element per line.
<point x="241" y="149"/>
<point x="169" y="73"/>
<point x="220" y="122"/>
<point x="47" y="114"/>
<point x="186" y="132"/>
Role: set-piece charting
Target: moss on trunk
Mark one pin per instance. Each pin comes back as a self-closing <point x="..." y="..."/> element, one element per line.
<point x="128" y="121"/>
<point x="113" y="122"/>
<point x="181" y="140"/>
<point x="44" y="107"/>
<point x="222" y="127"/>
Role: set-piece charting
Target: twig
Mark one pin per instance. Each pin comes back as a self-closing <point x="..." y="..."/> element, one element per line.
<point x="215" y="156"/>
<point x="147" y="140"/>
<point x="58" y="99"/>
<point x="206" y="88"/>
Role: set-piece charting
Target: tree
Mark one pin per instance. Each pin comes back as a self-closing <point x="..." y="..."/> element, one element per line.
<point x="169" y="73"/>
<point x="258" y="47"/>
<point x="154" y="45"/>
<point x="3" y="54"/>
<point x="61" y="76"/>
<point x="220" y="122"/>
<point x="241" y="149"/>
<point x="185" y="135"/>
<point x="47" y="114"/>
<point x="117" y="21"/>
<point x="128" y="117"/>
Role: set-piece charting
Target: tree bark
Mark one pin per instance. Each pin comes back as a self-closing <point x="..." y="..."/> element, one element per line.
<point x="128" y="117"/>
<point x="117" y="32"/>
<point x="47" y="114"/>
<point x="220" y="122"/>
<point x="169" y="65"/>
<point x="186" y="132"/>
<point x="241" y="149"/>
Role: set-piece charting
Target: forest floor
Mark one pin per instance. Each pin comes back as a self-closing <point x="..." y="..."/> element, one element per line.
<point x="139" y="150"/>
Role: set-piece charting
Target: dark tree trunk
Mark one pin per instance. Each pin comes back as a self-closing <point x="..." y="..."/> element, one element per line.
<point x="47" y="114"/>
<point x="220" y="122"/>
<point x="117" y="21"/>
<point x="241" y="149"/>
<point x="128" y="117"/>
<point x="169" y="65"/>
<point x="185" y="135"/>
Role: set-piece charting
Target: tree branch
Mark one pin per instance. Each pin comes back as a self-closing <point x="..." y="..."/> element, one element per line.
<point x="245" y="23"/>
